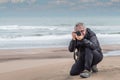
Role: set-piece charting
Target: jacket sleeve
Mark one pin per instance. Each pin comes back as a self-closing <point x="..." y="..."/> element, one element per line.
<point x="72" y="45"/>
<point x="92" y="42"/>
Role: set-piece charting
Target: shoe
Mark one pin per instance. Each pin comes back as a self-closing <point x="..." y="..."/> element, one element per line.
<point x="94" y="69"/>
<point x="85" y="74"/>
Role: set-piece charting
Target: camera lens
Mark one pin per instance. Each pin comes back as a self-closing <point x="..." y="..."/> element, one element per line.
<point x="78" y="33"/>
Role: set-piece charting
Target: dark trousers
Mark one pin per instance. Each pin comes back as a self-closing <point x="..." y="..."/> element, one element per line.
<point x="87" y="59"/>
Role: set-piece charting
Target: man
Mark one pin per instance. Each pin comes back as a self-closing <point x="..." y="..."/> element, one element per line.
<point x="89" y="49"/>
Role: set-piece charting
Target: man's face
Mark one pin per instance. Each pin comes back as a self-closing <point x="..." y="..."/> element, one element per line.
<point x="81" y="29"/>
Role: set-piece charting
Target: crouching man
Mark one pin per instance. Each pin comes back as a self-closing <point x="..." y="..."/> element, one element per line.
<point x="89" y="50"/>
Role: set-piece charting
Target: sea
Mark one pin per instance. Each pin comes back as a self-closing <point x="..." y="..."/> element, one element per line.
<point x="47" y="36"/>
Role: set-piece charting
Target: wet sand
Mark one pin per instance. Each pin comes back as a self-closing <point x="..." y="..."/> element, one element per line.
<point x="52" y="64"/>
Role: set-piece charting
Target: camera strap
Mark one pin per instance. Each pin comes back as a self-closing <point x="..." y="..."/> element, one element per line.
<point x="76" y="53"/>
<point x="75" y="56"/>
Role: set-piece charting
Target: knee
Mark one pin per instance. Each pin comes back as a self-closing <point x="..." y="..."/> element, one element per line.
<point x="73" y="73"/>
<point x="75" y="70"/>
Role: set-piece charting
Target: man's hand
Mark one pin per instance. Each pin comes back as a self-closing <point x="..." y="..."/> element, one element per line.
<point x="79" y="37"/>
<point x="83" y="32"/>
<point x="74" y="35"/>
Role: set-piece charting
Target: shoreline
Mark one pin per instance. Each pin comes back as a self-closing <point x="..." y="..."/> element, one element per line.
<point x="103" y="46"/>
<point x="45" y="53"/>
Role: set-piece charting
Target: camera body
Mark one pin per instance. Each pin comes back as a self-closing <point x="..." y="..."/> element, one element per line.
<point x="78" y="33"/>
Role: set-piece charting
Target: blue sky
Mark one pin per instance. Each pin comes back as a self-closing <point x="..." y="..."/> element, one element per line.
<point x="59" y="8"/>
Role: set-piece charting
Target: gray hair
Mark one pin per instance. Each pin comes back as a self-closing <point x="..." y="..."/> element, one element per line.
<point x="79" y="24"/>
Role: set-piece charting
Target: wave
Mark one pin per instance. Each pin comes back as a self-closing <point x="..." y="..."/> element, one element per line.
<point x="51" y="41"/>
<point x="46" y="37"/>
<point x="16" y="32"/>
<point x="113" y="53"/>
<point x="100" y="29"/>
<point x="55" y="37"/>
<point x="17" y="27"/>
<point x="108" y="35"/>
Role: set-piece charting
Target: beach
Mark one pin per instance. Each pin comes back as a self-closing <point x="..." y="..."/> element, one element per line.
<point x="35" y="35"/>
<point x="52" y="64"/>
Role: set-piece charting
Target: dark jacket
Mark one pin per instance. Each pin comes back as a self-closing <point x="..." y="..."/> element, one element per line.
<point x="90" y="40"/>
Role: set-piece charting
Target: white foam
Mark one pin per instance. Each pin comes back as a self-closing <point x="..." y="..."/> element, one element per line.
<point x="58" y="37"/>
<point x="46" y="37"/>
<point x="108" y="35"/>
<point x="112" y="53"/>
<point x="15" y="27"/>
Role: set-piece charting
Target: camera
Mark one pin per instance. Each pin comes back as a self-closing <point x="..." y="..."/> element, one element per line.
<point x="78" y="33"/>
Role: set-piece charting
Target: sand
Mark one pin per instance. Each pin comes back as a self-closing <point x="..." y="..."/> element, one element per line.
<point x="52" y="64"/>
